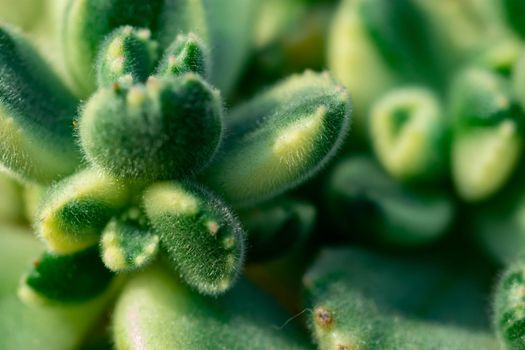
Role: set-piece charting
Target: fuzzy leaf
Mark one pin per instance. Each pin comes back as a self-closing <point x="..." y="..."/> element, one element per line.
<point x="364" y="301"/>
<point x="36" y="114"/>
<point x="166" y="129"/>
<point x="74" y="211"/>
<point x="128" y="242"/>
<point x="127" y="55"/>
<point x="487" y="141"/>
<point x="156" y="311"/>
<point x="509" y="304"/>
<point x="71" y="278"/>
<point x="408" y="133"/>
<point x="186" y="54"/>
<point x="49" y="327"/>
<point x="280" y="138"/>
<point x="199" y="235"/>
<point x="88" y="22"/>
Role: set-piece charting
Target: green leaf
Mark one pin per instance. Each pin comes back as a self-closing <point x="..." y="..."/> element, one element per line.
<point x="66" y="279"/>
<point x="408" y="130"/>
<point x="400" y="33"/>
<point x="128" y="243"/>
<point x="354" y="58"/>
<point x="74" y="211"/>
<point x="487" y="141"/>
<point x="187" y="53"/>
<point x="280" y="138"/>
<point x="36" y="114"/>
<point x="168" y="128"/>
<point x="128" y="55"/>
<point x="156" y="311"/>
<point x="366" y="301"/>
<point x="88" y="22"/>
<point x="50" y="327"/>
<point x="363" y="200"/>
<point x="201" y="238"/>
<point x="230" y="39"/>
<point x="509" y="303"/>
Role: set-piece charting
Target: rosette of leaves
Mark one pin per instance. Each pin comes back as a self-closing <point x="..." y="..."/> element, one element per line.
<point x="163" y="163"/>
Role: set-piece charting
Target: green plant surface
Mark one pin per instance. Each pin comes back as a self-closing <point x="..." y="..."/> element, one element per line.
<point x="50" y="327"/>
<point x="156" y="311"/>
<point x="363" y="200"/>
<point x="363" y="300"/>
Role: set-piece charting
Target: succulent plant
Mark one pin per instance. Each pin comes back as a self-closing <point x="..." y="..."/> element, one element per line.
<point x="149" y="162"/>
<point x="186" y="170"/>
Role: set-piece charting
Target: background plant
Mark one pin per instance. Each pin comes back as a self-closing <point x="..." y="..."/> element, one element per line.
<point x="395" y="244"/>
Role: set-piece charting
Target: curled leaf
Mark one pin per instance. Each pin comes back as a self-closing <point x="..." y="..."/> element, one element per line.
<point x="408" y="133"/>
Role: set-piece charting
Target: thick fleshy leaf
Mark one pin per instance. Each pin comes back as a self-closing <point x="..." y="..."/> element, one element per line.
<point x="187" y="53"/>
<point x="364" y="201"/>
<point x="280" y="138"/>
<point x="128" y="55"/>
<point x="487" y="140"/>
<point x="201" y="238"/>
<point x="408" y="130"/>
<point x="49" y="327"/>
<point x="128" y="242"/>
<point x="166" y="129"/>
<point x="36" y="114"/>
<point x="366" y="301"/>
<point x="65" y="279"/>
<point x="156" y="311"/>
<point x="509" y="319"/>
<point x="88" y="22"/>
<point x="351" y="54"/>
<point x="74" y="212"/>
